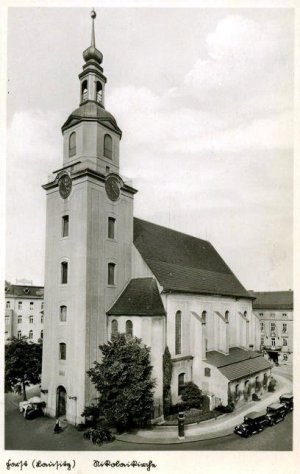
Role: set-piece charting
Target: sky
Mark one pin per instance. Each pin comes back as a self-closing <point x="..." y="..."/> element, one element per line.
<point x="204" y="98"/>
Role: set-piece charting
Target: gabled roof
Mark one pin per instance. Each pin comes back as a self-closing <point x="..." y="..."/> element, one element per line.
<point x="184" y="263"/>
<point x="273" y="299"/>
<point x="140" y="298"/>
<point x="91" y="111"/>
<point x="239" y="363"/>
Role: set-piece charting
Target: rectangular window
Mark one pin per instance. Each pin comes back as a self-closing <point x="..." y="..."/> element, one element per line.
<point x="42" y="318"/>
<point x="20" y="305"/>
<point x="31" y="305"/>
<point x="273" y="341"/>
<point x="111" y="274"/>
<point x="284" y="327"/>
<point x="31" y="319"/>
<point x="6" y="319"/>
<point x="284" y="314"/>
<point x="284" y="342"/>
<point x="261" y="326"/>
<point x="42" y="305"/>
<point x="64" y="272"/>
<point x="19" y="319"/>
<point x="273" y="326"/>
<point x="262" y="340"/>
<point x="7" y="304"/>
<point x="111" y="228"/>
<point x="207" y="372"/>
<point x="62" y="351"/>
<point x="261" y="314"/>
<point x="65" y="226"/>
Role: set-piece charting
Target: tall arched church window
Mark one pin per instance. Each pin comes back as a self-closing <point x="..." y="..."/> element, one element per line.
<point x="129" y="329"/>
<point x="203" y="317"/>
<point x="107" y="146"/>
<point x="99" y="92"/>
<point x="114" y="328"/>
<point x="84" y="91"/>
<point x="63" y="313"/>
<point x="227" y="316"/>
<point x="111" y="273"/>
<point x="178" y="333"/>
<point x="72" y="144"/>
<point x="180" y="382"/>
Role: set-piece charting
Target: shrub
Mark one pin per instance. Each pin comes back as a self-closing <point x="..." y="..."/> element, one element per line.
<point x="255" y="397"/>
<point x="191" y="395"/>
<point x="99" y="436"/>
<point x="81" y="427"/>
<point x="91" y="414"/>
<point x="226" y="409"/>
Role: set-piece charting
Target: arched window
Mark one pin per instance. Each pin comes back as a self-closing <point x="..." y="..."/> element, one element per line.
<point x="19" y="334"/>
<point x="30" y="334"/>
<point x="7" y="304"/>
<point x="62" y="351"/>
<point x="129" y="329"/>
<point x="72" y="144"/>
<point x="227" y="316"/>
<point x="107" y="151"/>
<point x="203" y="317"/>
<point x="65" y="226"/>
<point x="64" y="272"/>
<point x="63" y="314"/>
<point x="180" y="382"/>
<point x="99" y="92"/>
<point x="84" y="91"/>
<point x="114" y="328"/>
<point x="111" y="274"/>
<point x="178" y="333"/>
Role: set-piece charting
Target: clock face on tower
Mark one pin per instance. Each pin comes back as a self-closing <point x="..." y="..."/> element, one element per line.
<point x="112" y="188"/>
<point x="64" y="186"/>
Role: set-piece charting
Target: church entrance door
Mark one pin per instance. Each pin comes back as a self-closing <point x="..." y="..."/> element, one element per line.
<point x="61" y="398"/>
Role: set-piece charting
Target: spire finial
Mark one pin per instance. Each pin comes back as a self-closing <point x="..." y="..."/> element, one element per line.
<point x="93" y="16"/>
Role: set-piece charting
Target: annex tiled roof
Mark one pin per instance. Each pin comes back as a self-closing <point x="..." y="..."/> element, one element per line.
<point x="273" y="299"/>
<point x="140" y="298"/>
<point x="24" y="291"/>
<point x="184" y="263"/>
<point x="238" y="363"/>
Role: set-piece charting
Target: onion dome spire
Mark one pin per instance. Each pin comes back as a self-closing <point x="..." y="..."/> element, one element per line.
<point x="92" y="54"/>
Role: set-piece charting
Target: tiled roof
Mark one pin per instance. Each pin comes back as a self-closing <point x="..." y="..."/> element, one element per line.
<point x="273" y="299"/>
<point x="238" y="363"/>
<point x="184" y="263"/>
<point x="24" y="291"/>
<point x="140" y="298"/>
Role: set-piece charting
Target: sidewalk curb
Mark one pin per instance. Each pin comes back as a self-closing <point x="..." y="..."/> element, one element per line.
<point x="193" y="437"/>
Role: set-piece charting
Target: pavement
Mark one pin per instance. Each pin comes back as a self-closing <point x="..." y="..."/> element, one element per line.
<point x="210" y="429"/>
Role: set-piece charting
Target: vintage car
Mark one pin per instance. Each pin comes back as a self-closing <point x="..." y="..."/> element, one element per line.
<point x="33" y="411"/>
<point x="288" y="400"/>
<point x="276" y="413"/>
<point x="254" y="422"/>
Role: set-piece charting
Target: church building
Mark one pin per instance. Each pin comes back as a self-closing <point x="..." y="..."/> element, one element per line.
<point x="108" y="272"/>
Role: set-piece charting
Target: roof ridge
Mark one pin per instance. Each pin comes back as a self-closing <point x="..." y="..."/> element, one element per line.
<point x="172" y="230"/>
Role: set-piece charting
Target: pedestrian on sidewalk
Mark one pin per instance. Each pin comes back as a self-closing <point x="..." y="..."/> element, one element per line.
<point x="57" y="427"/>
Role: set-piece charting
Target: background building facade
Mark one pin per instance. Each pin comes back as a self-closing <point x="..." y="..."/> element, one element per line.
<point x="274" y="310"/>
<point x="24" y="311"/>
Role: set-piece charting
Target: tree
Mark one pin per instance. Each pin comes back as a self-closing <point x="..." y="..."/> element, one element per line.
<point x="23" y="364"/>
<point x="191" y="395"/>
<point x="167" y="377"/>
<point x="123" y="380"/>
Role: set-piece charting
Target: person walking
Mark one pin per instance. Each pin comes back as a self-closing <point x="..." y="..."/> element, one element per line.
<point x="57" y="427"/>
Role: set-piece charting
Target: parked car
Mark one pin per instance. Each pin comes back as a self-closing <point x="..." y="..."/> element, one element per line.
<point x="254" y="422"/>
<point x="33" y="412"/>
<point x="276" y="413"/>
<point x="23" y="405"/>
<point x="288" y="400"/>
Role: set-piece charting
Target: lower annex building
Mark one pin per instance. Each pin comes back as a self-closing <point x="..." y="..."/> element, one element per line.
<point x="106" y="271"/>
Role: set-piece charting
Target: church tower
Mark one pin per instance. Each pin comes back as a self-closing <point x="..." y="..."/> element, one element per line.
<point x="89" y="234"/>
